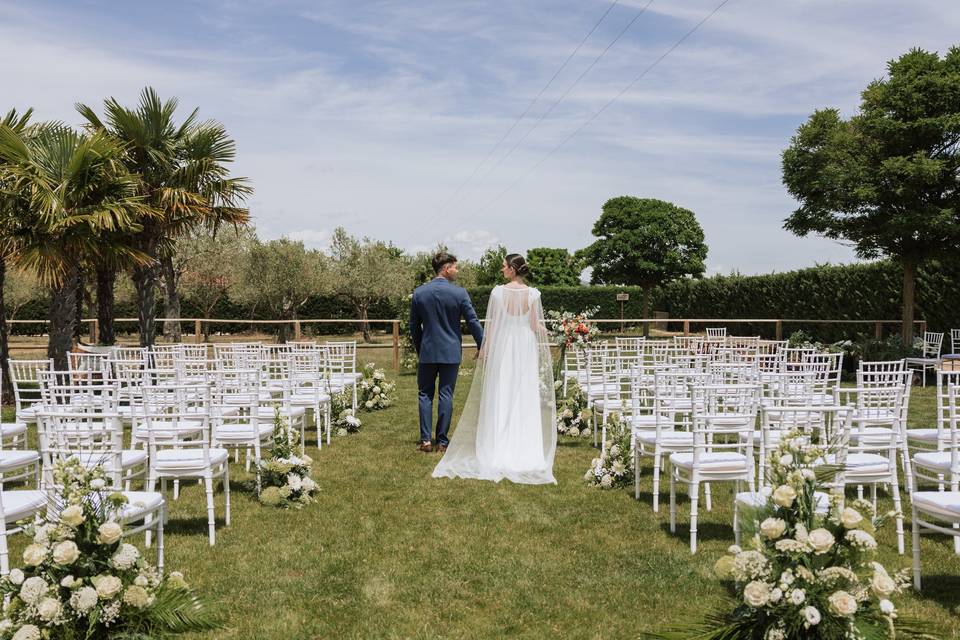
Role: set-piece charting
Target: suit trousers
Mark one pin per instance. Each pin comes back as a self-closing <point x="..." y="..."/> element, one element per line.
<point x="427" y="375"/>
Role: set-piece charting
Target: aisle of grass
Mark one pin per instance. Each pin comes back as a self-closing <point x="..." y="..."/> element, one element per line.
<point x="387" y="552"/>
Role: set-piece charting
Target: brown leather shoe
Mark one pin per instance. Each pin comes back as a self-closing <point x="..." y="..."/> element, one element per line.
<point x="441" y="448"/>
<point x="426" y="447"/>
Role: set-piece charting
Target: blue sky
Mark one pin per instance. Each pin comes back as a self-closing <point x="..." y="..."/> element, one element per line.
<point x="369" y="115"/>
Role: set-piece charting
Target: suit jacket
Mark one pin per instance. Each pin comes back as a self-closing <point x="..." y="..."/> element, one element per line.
<point x="435" y="314"/>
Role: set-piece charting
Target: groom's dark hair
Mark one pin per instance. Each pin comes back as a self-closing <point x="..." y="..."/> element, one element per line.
<point x="442" y="259"/>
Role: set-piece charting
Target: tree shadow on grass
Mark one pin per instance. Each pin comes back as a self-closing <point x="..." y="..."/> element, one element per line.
<point x="944" y="589"/>
<point x="192" y="526"/>
<point x="706" y="531"/>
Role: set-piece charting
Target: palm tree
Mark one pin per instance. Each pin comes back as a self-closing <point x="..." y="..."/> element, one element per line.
<point x="73" y="199"/>
<point x="184" y="181"/>
<point x="17" y="123"/>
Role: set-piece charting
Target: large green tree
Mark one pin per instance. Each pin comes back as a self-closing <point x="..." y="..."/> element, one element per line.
<point x="72" y="198"/>
<point x="646" y="243"/>
<point x="553" y="267"/>
<point x="488" y="269"/>
<point x="887" y="179"/>
<point x="183" y="177"/>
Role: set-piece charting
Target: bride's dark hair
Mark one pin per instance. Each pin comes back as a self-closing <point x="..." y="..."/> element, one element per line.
<point x="519" y="265"/>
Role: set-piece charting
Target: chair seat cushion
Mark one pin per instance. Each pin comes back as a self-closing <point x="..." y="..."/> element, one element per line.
<point x="773" y="437"/>
<point x="942" y="503"/>
<point x="20" y="504"/>
<point x="16" y="458"/>
<point x="925" y="434"/>
<point x="128" y="458"/>
<point x="936" y="460"/>
<point x="140" y="502"/>
<point x="611" y="404"/>
<point x="243" y="432"/>
<point x="877" y="435"/>
<point x="268" y="413"/>
<point x="308" y="399"/>
<point x="759" y="499"/>
<point x="667" y="439"/>
<point x="716" y="461"/>
<point x="863" y="464"/>
<point x="188" y="459"/>
<point x="10" y="429"/>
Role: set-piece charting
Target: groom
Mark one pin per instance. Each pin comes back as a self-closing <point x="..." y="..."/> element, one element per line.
<point x="435" y="328"/>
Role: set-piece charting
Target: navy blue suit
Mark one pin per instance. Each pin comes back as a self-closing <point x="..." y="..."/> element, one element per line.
<point x="435" y="314"/>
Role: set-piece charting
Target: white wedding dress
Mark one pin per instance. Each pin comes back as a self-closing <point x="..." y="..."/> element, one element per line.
<point x="507" y="428"/>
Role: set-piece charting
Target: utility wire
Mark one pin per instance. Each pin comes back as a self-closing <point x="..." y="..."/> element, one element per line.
<point x="597" y="113"/>
<point x="448" y="201"/>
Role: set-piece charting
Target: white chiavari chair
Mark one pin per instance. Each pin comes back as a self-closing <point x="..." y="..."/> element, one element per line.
<point x="929" y="359"/>
<point x="26" y="388"/>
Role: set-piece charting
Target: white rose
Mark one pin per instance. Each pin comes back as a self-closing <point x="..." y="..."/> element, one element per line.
<point x="27" y="632"/>
<point x="606" y="481"/>
<point x="33" y="589"/>
<point x="66" y="552"/>
<point x="67" y="582"/>
<point x="842" y="603"/>
<point x="16" y="577"/>
<point x="850" y="518"/>
<point x="775" y="595"/>
<point x="734" y="549"/>
<point x="797" y="596"/>
<point x="821" y="540"/>
<point x="369" y="404"/>
<point x="34" y="554"/>
<point x="773" y="528"/>
<point x="811" y="616"/>
<point x="97" y="484"/>
<point x="786" y="460"/>
<point x="615" y="450"/>
<point x="882" y="584"/>
<point x="784" y="495"/>
<point x="108" y="587"/>
<point x="72" y="515"/>
<point x="48" y="609"/>
<point x="109" y="532"/>
<point x="808" y="474"/>
<point x="376" y="390"/>
<point x="756" y="594"/>
<point x="887" y="608"/>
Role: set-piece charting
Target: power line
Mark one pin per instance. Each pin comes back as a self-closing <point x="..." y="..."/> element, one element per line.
<point x="519" y="118"/>
<point x="567" y="92"/>
<point x="597" y="113"/>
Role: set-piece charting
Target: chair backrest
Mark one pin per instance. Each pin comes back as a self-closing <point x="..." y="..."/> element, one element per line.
<point x="932" y="343"/>
<point x="24" y="374"/>
<point x="716" y="332"/>
<point x="720" y="410"/>
<point x="343" y="356"/>
<point x="88" y="364"/>
<point x="828" y="367"/>
<point x="94" y="437"/>
<point x="66" y="391"/>
<point x="955" y="341"/>
<point x="945" y="380"/>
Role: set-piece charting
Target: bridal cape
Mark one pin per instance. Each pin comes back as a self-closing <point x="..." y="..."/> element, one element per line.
<point x="508" y="426"/>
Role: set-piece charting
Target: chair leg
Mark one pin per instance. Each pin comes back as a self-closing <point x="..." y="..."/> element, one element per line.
<point x="693" y="488"/>
<point x="160" y="539"/>
<point x="916" y="551"/>
<point x="4" y="552"/>
<point x="736" y="520"/>
<point x="636" y="473"/>
<point x="707" y="495"/>
<point x="673" y="501"/>
<point x="895" y="486"/>
<point x="226" y="492"/>
<point x="657" y="458"/>
<point x="211" y="523"/>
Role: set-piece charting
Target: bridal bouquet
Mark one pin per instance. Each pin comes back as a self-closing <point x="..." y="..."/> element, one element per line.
<point x="374" y="389"/>
<point x="614" y="467"/>
<point x="284" y="475"/>
<point x="344" y="419"/>
<point x="807" y="574"/>
<point x="573" y="416"/>
<point x="80" y="580"/>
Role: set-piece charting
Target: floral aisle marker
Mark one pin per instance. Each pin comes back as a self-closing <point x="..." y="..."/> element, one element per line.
<point x="80" y="580"/>
<point x="285" y="476"/>
<point x="804" y="574"/>
<point x="571" y="331"/>
<point x="573" y="415"/>
<point x="345" y="421"/>
<point x="375" y="389"/>
<point x="614" y="467"/>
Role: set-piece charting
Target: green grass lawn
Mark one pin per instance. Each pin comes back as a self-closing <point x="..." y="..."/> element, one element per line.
<point x="388" y="552"/>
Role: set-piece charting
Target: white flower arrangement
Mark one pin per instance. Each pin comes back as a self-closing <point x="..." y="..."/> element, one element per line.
<point x="285" y="476"/>
<point x="572" y="329"/>
<point x="806" y="574"/>
<point x="614" y="467"/>
<point x="374" y="389"/>
<point x="573" y="416"/>
<point x="81" y="581"/>
<point x="345" y="420"/>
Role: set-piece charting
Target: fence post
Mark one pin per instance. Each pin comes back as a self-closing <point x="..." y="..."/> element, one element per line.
<point x="878" y="330"/>
<point x="296" y="330"/>
<point x="95" y="331"/>
<point x="197" y="331"/>
<point x="396" y="345"/>
<point x="686" y="327"/>
<point x="779" y="329"/>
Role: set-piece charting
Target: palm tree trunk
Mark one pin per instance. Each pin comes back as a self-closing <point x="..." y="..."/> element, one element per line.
<point x="78" y="311"/>
<point x="909" y="290"/>
<point x="646" y="310"/>
<point x="4" y="340"/>
<point x="62" y="316"/>
<point x="171" y="328"/>
<point x="144" y="280"/>
<point x="106" y="278"/>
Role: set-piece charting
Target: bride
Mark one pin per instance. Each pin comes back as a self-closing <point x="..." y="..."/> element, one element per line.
<point x="507" y="429"/>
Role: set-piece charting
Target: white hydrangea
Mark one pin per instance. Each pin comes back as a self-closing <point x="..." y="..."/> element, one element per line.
<point x="750" y="565"/>
<point x="126" y="557"/>
<point x="862" y="539"/>
<point x="33" y="589"/>
<point x="27" y="632"/>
